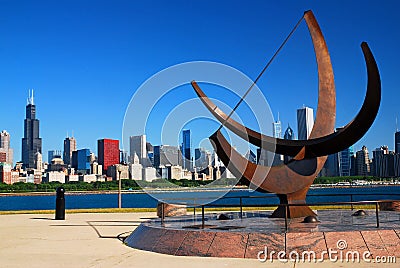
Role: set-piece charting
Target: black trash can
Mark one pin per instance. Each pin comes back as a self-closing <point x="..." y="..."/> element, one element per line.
<point x="60" y="204"/>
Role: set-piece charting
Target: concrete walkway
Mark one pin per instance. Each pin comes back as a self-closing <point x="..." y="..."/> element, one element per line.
<point x="95" y="240"/>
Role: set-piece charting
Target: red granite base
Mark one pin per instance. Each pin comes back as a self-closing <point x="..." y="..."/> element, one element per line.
<point x="239" y="243"/>
<point x="248" y="245"/>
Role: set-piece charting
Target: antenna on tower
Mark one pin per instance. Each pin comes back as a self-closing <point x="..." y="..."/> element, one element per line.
<point x="397" y="129"/>
<point x="30" y="98"/>
<point x="278" y="117"/>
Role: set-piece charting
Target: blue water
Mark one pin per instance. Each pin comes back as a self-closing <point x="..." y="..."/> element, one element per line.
<point x="143" y="200"/>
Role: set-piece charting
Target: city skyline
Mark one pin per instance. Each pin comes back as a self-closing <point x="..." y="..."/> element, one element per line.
<point x="168" y="158"/>
<point x="305" y="120"/>
<point x="84" y="71"/>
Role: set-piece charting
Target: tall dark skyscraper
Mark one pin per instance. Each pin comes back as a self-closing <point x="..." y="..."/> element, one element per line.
<point x="289" y="135"/>
<point x="397" y="142"/>
<point x="69" y="147"/>
<point x="305" y="122"/>
<point x="345" y="161"/>
<point x="31" y="143"/>
<point x="186" y="148"/>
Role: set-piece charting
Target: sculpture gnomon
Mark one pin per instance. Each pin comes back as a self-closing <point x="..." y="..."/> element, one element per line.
<point x="292" y="180"/>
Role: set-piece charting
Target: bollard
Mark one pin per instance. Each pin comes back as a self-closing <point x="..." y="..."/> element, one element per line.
<point x="60" y="204"/>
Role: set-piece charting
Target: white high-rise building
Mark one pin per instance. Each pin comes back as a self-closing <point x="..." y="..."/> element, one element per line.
<point x="305" y="122"/>
<point x="136" y="168"/>
<point x="277" y="129"/>
<point x="38" y="162"/>
<point x="277" y="133"/>
<point x="362" y="162"/>
<point x="137" y="145"/>
<point x="6" y="153"/>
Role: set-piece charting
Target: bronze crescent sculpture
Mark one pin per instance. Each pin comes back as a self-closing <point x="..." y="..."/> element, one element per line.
<point x="291" y="181"/>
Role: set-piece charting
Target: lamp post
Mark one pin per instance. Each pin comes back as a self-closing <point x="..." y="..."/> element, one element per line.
<point x="120" y="168"/>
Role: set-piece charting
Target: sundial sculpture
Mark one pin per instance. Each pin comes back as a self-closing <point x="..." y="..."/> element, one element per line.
<point x="291" y="181"/>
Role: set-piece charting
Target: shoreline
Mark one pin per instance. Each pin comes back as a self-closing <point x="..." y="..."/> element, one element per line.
<point x="142" y="191"/>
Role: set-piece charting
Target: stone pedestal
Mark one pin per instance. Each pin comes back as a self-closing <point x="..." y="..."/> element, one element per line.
<point x="390" y="206"/>
<point x="171" y="210"/>
<point x="298" y="210"/>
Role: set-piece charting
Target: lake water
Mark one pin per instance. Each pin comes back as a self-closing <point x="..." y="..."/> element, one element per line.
<point x="143" y="200"/>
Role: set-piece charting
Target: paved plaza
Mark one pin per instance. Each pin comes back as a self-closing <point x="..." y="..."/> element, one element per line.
<point x="95" y="240"/>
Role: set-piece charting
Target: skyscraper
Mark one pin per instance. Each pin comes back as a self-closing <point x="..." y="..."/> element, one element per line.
<point x="331" y="166"/>
<point x="202" y="158"/>
<point x="305" y="122"/>
<point x="262" y="157"/>
<point x="277" y="133"/>
<point x="397" y="142"/>
<point x="137" y="146"/>
<point x="52" y="154"/>
<point x="186" y="148"/>
<point x="38" y="161"/>
<point x="108" y="153"/>
<point x="251" y="156"/>
<point x="5" y="173"/>
<point x="123" y="156"/>
<point x="345" y="162"/>
<point x="277" y="128"/>
<point x="362" y="162"/>
<point x="167" y="155"/>
<point x="383" y="162"/>
<point x="82" y="161"/>
<point x="31" y="143"/>
<point x="289" y="135"/>
<point x="6" y="153"/>
<point x="69" y="147"/>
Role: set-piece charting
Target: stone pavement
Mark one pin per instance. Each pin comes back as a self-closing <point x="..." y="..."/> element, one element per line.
<point x="95" y="240"/>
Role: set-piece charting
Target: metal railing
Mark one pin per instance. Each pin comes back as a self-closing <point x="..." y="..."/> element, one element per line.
<point x="287" y="206"/>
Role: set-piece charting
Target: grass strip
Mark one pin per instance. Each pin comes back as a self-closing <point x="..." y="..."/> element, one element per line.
<point x="198" y="210"/>
<point x="89" y="210"/>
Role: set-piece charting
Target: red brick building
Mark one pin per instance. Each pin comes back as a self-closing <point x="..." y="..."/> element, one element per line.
<point x="108" y="153"/>
<point x="3" y="157"/>
<point x="5" y="173"/>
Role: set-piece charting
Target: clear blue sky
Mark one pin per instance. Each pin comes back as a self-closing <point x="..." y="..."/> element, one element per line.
<point x="85" y="59"/>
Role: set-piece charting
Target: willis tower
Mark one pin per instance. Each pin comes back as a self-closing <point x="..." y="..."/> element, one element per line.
<point x="31" y="143"/>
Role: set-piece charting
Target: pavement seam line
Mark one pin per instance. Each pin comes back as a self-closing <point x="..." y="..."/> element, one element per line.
<point x="396" y="233"/>
<point x="158" y="240"/>
<point x="383" y="242"/>
<point x="326" y="243"/>
<point x="180" y="245"/>
<point x="212" y="241"/>
<point x="365" y="242"/>
<point x="247" y="244"/>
